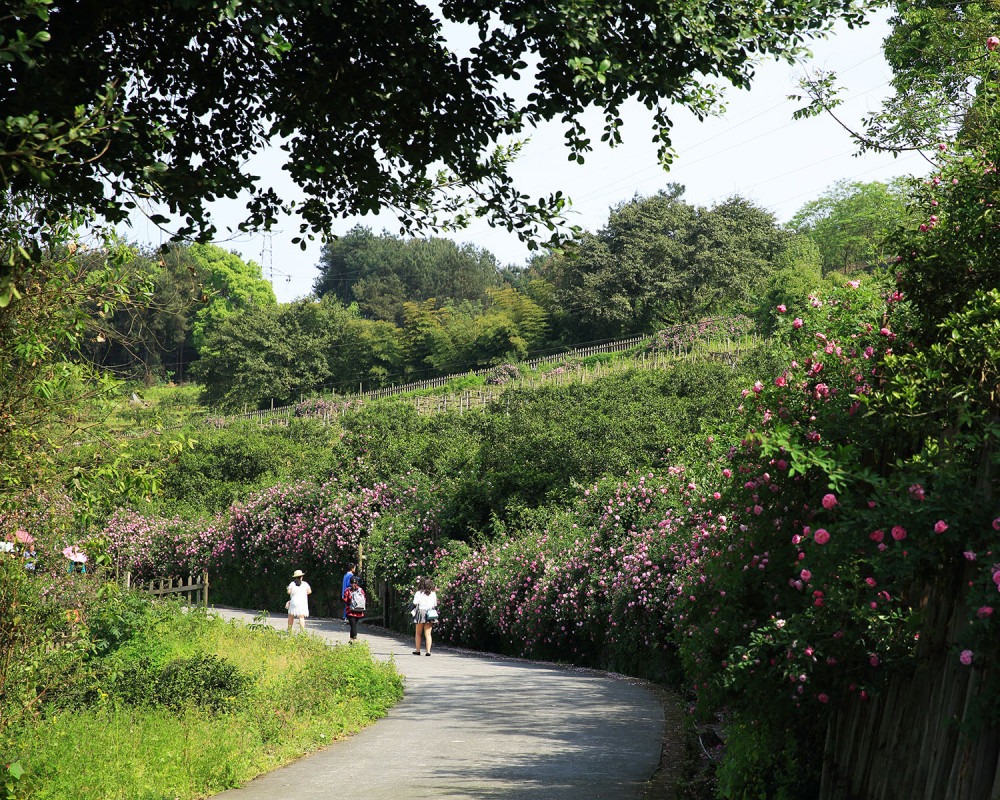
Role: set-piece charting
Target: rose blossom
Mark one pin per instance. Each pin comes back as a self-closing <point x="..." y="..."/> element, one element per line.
<point x="966" y="657"/>
<point x="821" y="536"/>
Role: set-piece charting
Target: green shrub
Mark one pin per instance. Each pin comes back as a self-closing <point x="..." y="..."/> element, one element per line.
<point x="767" y="763"/>
<point x="201" y="680"/>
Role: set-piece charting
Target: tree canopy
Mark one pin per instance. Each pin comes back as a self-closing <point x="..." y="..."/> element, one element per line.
<point x="104" y="103"/>
<point x="383" y="272"/>
<point x="851" y="222"/>
<point x="659" y="259"/>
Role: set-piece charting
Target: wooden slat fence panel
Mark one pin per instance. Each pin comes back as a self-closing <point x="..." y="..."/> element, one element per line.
<point x="906" y="744"/>
<point x="194" y="589"/>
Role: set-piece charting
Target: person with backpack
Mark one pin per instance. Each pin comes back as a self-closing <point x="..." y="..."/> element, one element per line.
<point x="354" y="602"/>
<point x="351" y="572"/>
<point x="424" y="612"/>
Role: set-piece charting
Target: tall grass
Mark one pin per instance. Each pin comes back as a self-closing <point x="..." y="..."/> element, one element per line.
<point x="98" y="742"/>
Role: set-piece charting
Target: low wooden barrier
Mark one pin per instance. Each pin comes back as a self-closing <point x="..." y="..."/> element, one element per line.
<point x="194" y="588"/>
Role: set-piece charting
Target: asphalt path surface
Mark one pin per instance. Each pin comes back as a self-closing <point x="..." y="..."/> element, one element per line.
<point x="480" y="727"/>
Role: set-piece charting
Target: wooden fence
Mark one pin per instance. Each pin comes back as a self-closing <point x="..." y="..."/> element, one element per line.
<point x="907" y="743"/>
<point x="194" y="588"/>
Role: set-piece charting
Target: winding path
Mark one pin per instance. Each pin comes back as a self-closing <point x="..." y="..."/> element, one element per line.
<point x="478" y="727"/>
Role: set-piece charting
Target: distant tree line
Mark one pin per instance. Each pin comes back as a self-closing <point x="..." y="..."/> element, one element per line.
<point x="387" y="309"/>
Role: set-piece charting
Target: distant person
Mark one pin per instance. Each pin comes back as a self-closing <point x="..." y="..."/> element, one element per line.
<point x="351" y="570"/>
<point x="424" y="604"/>
<point x="298" y="605"/>
<point x="354" y="605"/>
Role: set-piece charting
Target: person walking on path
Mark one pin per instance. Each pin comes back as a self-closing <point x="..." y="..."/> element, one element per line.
<point x="424" y="612"/>
<point x="354" y="605"/>
<point x="351" y="570"/>
<point x="298" y="605"/>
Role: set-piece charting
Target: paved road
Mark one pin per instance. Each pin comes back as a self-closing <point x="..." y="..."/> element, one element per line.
<point x="480" y="727"/>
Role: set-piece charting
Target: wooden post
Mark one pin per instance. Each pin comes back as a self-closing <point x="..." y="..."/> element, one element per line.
<point x="204" y="591"/>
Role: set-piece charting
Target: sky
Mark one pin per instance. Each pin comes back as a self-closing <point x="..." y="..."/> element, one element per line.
<point x="755" y="150"/>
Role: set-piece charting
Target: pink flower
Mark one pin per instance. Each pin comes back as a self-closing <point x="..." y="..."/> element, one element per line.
<point x="966" y="657"/>
<point x="805" y="575"/>
<point x="898" y="532"/>
<point x="917" y="492"/>
<point x="873" y="660"/>
<point x="969" y="555"/>
<point x="854" y="284"/>
<point x="781" y="308"/>
<point x="984" y="611"/>
<point x="758" y="387"/>
<point x="996" y="524"/>
<point x="870" y="581"/>
<point x="829" y="501"/>
<point x="780" y="381"/>
<point x="823" y="698"/>
<point x="940" y="526"/>
<point x="821" y="536"/>
<point x="876" y="536"/>
<point x="992" y="42"/>
<point x="797" y="323"/>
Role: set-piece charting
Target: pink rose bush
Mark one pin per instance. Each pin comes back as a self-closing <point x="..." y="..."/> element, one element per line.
<point x="251" y="551"/>
<point x="804" y="544"/>
<point x="594" y="584"/>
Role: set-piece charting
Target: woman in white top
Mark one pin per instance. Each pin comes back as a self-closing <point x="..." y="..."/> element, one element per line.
<point x="423" y="601"/>
<point x="298" y="606"/>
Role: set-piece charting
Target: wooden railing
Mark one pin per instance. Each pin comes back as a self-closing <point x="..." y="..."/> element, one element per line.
<point x="194" y="588"/>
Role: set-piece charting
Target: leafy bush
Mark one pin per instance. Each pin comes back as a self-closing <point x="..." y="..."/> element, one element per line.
<point x="202" y="680"/>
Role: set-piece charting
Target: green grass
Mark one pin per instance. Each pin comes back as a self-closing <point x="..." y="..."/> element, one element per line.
<point x="167" y="405"/>
<point x="302" y="696"/>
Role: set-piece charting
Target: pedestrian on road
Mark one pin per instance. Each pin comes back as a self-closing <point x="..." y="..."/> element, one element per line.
<point x="354" y="603"/>
<point x="298" y="605"/>
<point x="351" y="570"/>
<point x="424" y="604"/>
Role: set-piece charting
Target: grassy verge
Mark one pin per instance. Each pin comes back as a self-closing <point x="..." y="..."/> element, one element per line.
<point x="192" y="705"/>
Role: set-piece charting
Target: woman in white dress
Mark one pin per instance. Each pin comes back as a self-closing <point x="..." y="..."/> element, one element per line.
<point x="298" y="605"/>
<point x="423" y="601"/>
